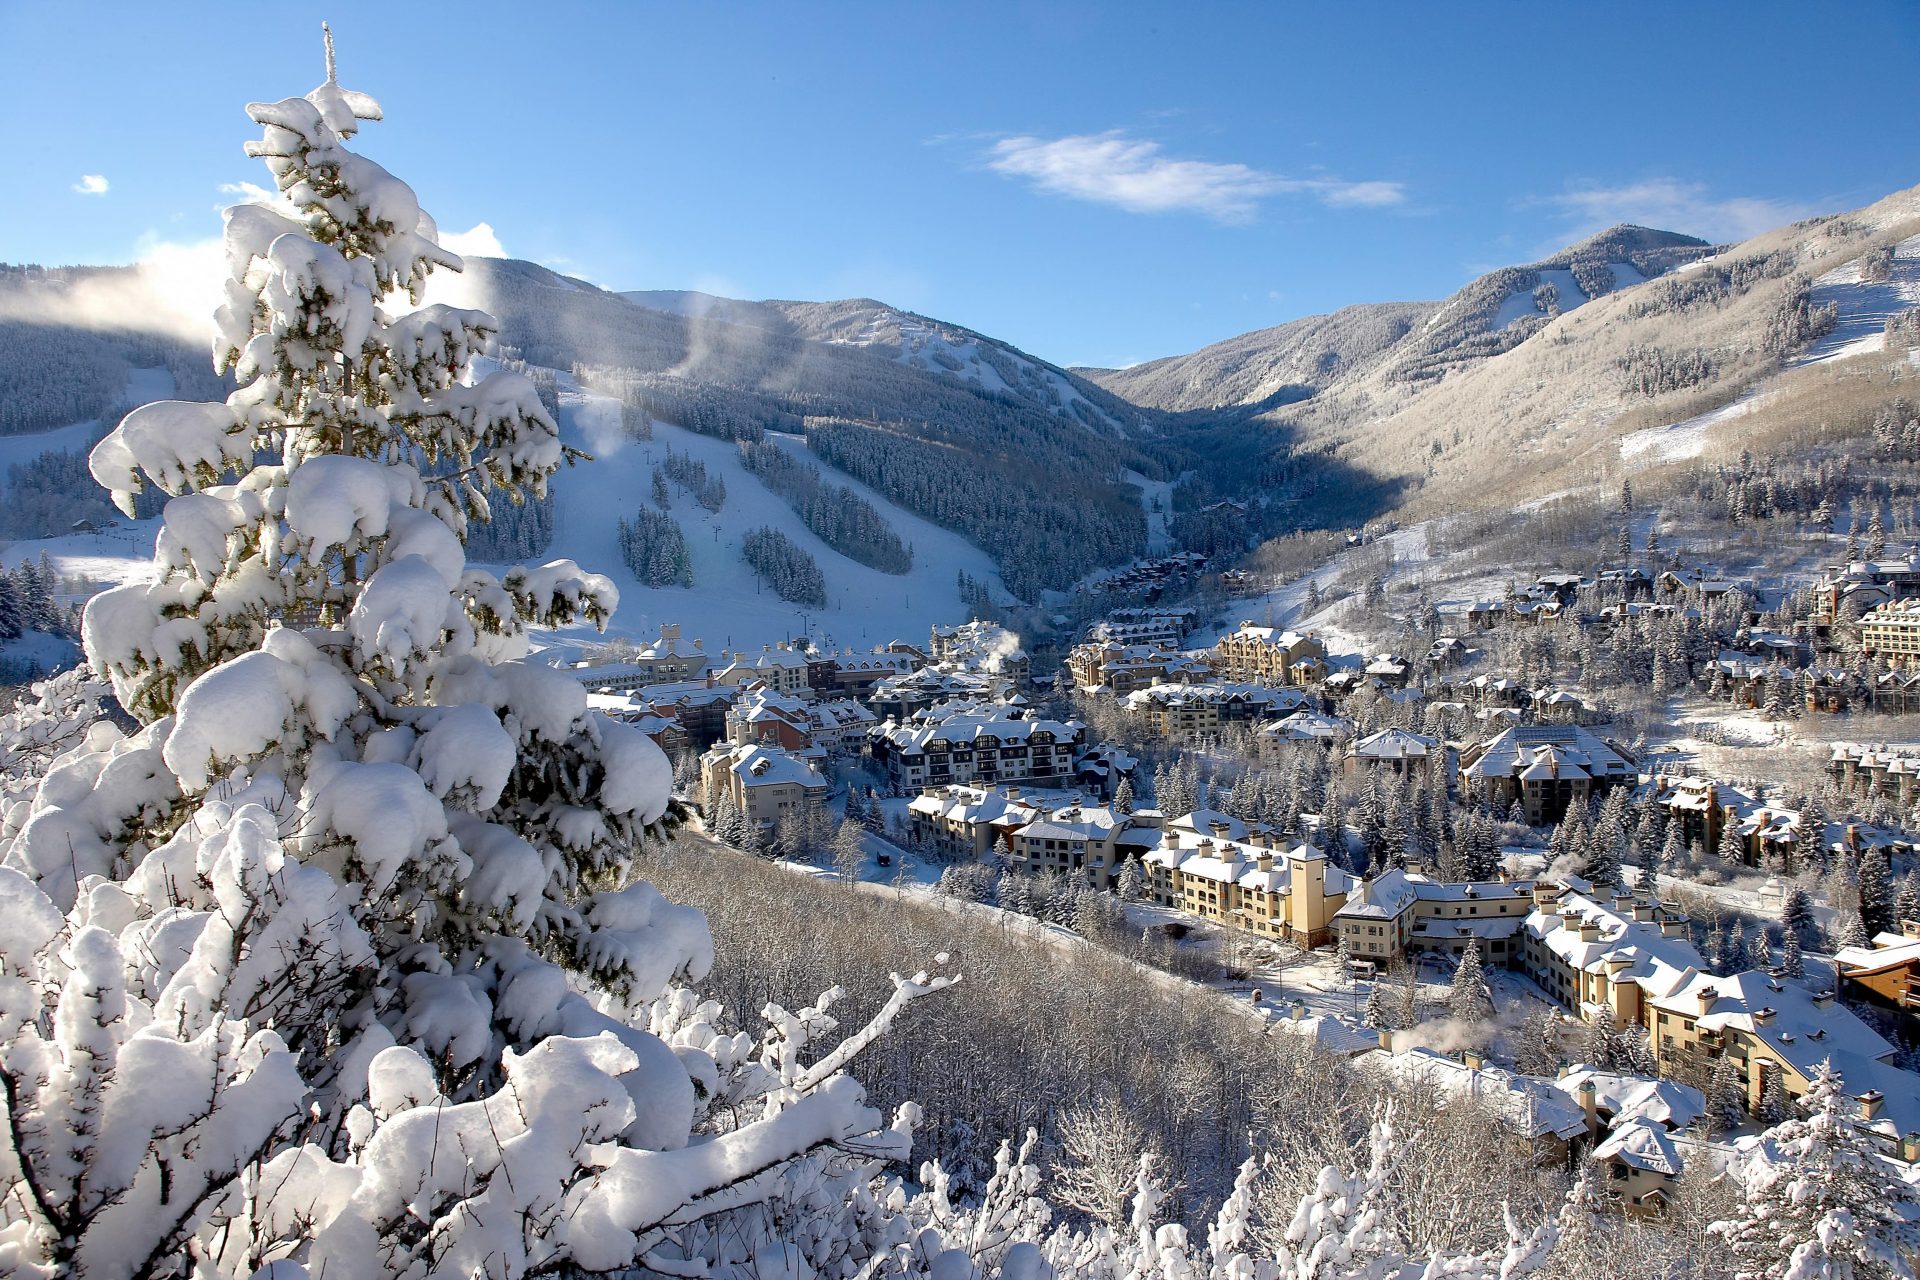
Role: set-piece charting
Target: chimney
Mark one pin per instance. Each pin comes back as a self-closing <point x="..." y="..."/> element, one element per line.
<point x="1763" y="1017"/>
<point x="1590" y="1105"/>
<point x="1474" y="1060"/>
<point x="1910" y="1148"/>
<point x="1823" y="999"/>
<point x="1264" y="861"/>
<point x="1870" y="1105"/>
<point x="1589" y="931"/>
<point x="1705" y="998"/>
<point x="1298" y="1010"/>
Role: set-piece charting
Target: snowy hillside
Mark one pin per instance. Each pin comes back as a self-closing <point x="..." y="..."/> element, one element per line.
<point x="727" y="606"/>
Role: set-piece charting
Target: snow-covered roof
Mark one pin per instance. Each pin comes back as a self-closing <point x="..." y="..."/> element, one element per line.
<point x="758" y="765"/>
<point x="1888" y="951"/>
<point x="1623" y="1098"/>
<point x="1568" y="749"/>
<point x="1642" y="1145"/>
<point x="1527" y="1106"/>
<point x="1329" y="1032"/>
<point x="1394" y="744"/>
<point x="1307" y="726"/>
<point x="970" y="723"/>
<point x="1624" y="949"/>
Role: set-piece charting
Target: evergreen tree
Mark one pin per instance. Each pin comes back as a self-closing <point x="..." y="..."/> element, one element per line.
<point x="1792" y="963"/>
<point x="1876" y="892"/>
<point x="1818" y="1200"/>
<point x="1726" y="1096"/>
<point x="1468" y="998"/>
<point x="1796" y="913"/>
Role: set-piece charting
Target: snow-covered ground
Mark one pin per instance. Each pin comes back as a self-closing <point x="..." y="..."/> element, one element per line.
<point x="1865" y="308"/>
<point x="1686" y="439"/>
<point x="727" y="607"/>
<point x="1159" y="539"/>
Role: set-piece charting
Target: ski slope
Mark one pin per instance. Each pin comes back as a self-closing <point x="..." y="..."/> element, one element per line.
<point x="727" y="607"/>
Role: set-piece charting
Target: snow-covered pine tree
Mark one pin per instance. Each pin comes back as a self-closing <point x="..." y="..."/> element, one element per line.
<point x="1820" y="1201"/>
<point x="1468" y="998"/>
<point x="295" y="972"/>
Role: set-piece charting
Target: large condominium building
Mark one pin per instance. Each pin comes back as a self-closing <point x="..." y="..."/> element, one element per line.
<point x="780" y="667"/>
<point x="965" y="822"/>
<point x="1180" y="710"/>
<point x="1770" y="1026"/>
<point x="666" y="659"/>
<point x="1207" y="866"/>
<point x="1864" y="584"/>
<point x="985" y="647"/>
<point x="976" y="742"/>
<point x="1863" y="769"/>
<point x="764" y="782"/>
<point x="1892" y="631"/>
<point x="1088" y="842"/>
<point x="1886" y="972"/>
<point x="1546" y="768"/>
<point x="1264" y="654"/>
<point x="838" y="725"/>
<point x="1399" y="912"/>
<point x="1123" y="668"/>
<point x="1586" y="949"/>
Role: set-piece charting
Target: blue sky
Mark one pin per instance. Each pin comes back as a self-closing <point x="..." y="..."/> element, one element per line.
<point x="1096" y="183"/>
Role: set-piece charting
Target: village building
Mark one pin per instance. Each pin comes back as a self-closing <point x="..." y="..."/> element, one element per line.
<point x="765" y="783"/>
<point x="910" y="692"/>
<point x="1586" y="950"/>
<point x="1545" y="769"/>
<point x="1401" y="912"/>
<point x="852" y="675"/>
<point x="1892" y="631"/>
<point x="983" y="647"/>
<point x="1885" y="973"/>
<point x="969" y="822"/>
<point x="1637" y="1126"/>
<point x="1891" y="771"/>
<point x="668" y="658"/>
<point x="1121" y="669"/>
<point x="1302" y="726"/>
<point x="1531" y="1110"/>
<point x="1770" y="1026"/>
<point x="975" y="742"/>
<point x="1264" y="655"/>
<point x="780" y="667"/>
<point x="1246" y="881"/>
<point x="1085" y="842"/>
<point x="1182" y="710"/>
<point x="629" y="709"/>
<point x="837" y="725"/>
<point x="1850" y="590"/>
<point x="1395" y="751"/>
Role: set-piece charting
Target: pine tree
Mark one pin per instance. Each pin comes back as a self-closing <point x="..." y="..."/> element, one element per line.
<point x="1876" y="892"/>
<point x="1792" y="963"/>
<point x="1726" y="1096"/>
<point x="1796" y="913"/>
<point x="1468" y="998"/>
<point x="1733" y="849"/>
<point x="1123" y="796"/>
<point x="1818" y="1200"/>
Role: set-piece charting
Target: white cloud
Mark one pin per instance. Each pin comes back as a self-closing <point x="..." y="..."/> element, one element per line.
<point x="251" y="191"/>
<point x="1134" y="174"/>
<point x="479" y="240"/>
<point x="91" y="184"/>
<point x="1670" y="204"/>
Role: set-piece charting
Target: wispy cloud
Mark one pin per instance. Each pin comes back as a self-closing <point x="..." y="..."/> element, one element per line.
<point x="91" y="184"/>
<point x="251" y="191"/>
<point x="1135" y="174"/>
<point x="1672" y="204"/>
